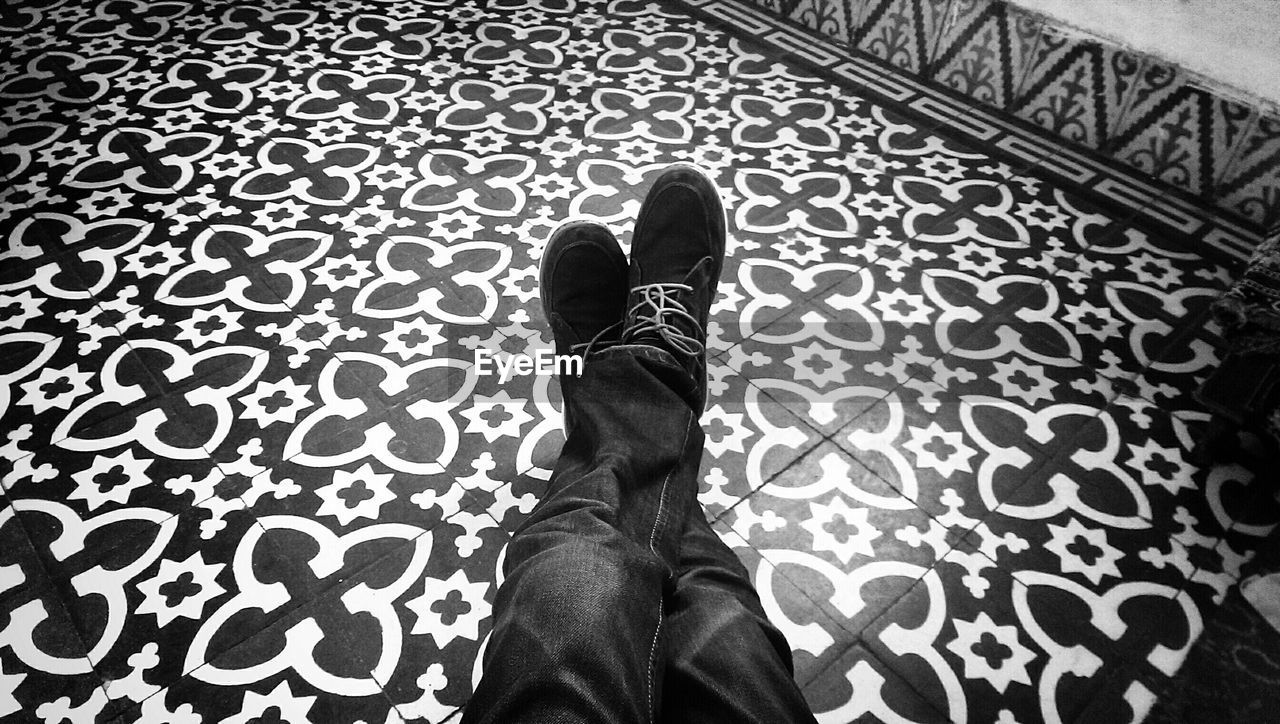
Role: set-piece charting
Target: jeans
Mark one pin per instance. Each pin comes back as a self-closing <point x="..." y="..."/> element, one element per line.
<point x="619" y="603"/>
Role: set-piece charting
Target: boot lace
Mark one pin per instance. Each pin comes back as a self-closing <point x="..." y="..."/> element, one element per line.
<point x="659" y="312"/>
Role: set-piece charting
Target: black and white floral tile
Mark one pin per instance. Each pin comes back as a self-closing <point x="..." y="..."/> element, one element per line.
<point x="250" y="251"/>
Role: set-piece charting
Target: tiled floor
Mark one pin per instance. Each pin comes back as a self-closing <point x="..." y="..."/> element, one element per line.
<point x="1233" y="671"/>
<point x="249" y="250"/>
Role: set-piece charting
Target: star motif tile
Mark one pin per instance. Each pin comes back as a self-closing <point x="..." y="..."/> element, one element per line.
<point x="251" y="259"/>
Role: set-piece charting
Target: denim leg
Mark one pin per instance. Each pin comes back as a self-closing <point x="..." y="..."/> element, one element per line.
<point x="725" y="661"/>
<point x="578" y="620"/>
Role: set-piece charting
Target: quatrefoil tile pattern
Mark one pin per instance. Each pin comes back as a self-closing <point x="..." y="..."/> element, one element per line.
<point x="248" y="254"/>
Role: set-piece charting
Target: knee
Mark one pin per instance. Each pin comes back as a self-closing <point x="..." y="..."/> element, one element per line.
<point x="579" y="582"/>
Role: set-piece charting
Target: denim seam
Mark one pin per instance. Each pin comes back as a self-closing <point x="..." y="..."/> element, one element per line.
<point x="653" y="534"/>
<point x="662" y="494"/>
<point x="653" y="653"/>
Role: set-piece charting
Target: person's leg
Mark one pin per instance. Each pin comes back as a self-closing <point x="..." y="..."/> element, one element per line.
<point x="578" y="622"/>
<point x="725" y="662"/>
<point x="578" y="619"/>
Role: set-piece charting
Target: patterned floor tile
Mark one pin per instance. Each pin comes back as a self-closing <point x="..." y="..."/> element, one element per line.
<point x="446" y="618"/>
<point x="47" y="374"/>
<point x="1208" y="682"/>
<point x="815" y="638"/>
<point x="125" y="463"/>
<point x="1014" y="391"/>
<point x="947" y="456"/>
<point x="1094" y="555"/>
<point x="151" y="598"/>
<point x="928" y="313"/>
<point x="1023" y="226"/>
<point x="1244" y="506"/>
<point x="307" y="672"/>
<point x="987" y="652"/>
<point x="416" y="433"/>
<point x="1118" y="330"/>
<point x="1141" y="487"/>
<point x="835" y="517"/>
<point x="821" y="384"/>
<point x="139" y="585"/>
<point x="749" y="438"/>
<point x="760" y="290"/>
<point x="1128" y="692"/>
<point x="85" y="198"/>
<point x="510" y="501"/>
<point x="517" y="422"/>
<point x="859" y="687"/>
<point x="840" y="349"/>
<point x="132" y="256"/>
<point x="816" y="201"/>
<point x="368" y="505"/>
<point x="45" y="664"/>
<point x="365" y="569"/>
<point x="251" y="470"/>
